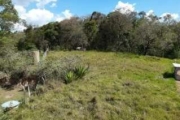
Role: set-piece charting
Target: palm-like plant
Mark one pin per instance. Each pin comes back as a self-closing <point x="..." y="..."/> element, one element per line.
<point x="69" y="77"/>
<point x="80" y="71"/>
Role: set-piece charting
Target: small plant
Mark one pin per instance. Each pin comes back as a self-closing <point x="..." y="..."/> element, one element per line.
<point x="77" y="73"/>
<point x="69" y="77"/>
<point x="80" y="71"/>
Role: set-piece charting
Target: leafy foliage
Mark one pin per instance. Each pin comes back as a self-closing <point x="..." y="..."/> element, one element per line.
<point x="77" y="73"/>
<point x="8" y="16"/>
<point x="69" y="77"/>
<point x="80" y="71"/>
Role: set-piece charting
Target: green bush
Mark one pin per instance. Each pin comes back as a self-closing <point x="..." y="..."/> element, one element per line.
<point x="25" y="45"/>
<point x="12" y="61"/>
<point x="57" y="70"/>
<point x="20" y="64"/>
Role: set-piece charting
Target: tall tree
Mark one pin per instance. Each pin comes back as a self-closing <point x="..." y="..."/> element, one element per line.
<point x="145" y="36"/>
<point x="97" y="16"/>
<point x="90" y="29"/>
<point x="176" y="29"/>
<point x="72" y="34"/>
<point x="8" y="16"/>
<point x="114" y="32"/>
<point x="52" y="35"/>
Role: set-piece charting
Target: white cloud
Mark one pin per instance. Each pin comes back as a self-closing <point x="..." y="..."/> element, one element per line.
<point x="35" y="16"/>
<point x="53" y="5"/>
<point x="65" y="15"/>
<point x="22" y="2"/>
<point x="21" y="11"/>
<point x="43" y="3"/>
<point x="174" y="16"/>
<point x="125" y="7"/>
<point x="18" y="27"/>
<point x="38" y="3"/>
<point x="39" y="16"/>
<point x="150" y="12"/>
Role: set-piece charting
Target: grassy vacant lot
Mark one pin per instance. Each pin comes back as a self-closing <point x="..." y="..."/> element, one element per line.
<point x="117" y="86"/>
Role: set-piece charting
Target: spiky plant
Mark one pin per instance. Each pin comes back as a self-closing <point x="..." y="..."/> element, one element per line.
<point x="69" y="77"/>
<point x="80" y="71"/>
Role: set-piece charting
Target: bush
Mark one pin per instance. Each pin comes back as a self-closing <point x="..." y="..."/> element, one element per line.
<point x="20" y="65"/>
<point x="56" y="70"/>
<point x="25" y="45"/>
<point x="12" y="61"/>
<point x="15" y="63"/>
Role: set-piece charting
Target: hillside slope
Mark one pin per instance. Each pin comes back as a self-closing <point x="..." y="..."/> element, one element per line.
<point x="117" y="86"/>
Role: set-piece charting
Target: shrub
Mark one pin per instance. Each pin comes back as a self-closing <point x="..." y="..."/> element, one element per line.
<point x="12" y="61"/>
<point x="57" y="70"/>
<point x="25" y="45"/>
<point x="20" y="65"/>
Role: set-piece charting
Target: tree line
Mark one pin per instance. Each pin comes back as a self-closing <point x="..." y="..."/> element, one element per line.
<point x="132" y="32"/>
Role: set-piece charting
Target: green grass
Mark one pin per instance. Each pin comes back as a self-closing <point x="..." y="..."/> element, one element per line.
<point x="117" y="87"/>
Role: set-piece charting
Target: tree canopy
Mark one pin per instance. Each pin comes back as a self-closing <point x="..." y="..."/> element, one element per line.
<point x="8" y="16"/>
<point x="125" y="32"/>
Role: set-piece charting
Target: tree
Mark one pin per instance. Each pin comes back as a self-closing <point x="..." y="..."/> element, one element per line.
<point x="142" y="14"/>
<point x="176" y="48"/>
<point x="97" y="16"/>
<point x="51" y="35"/>
<point x="168" y="19"/>
<point x="8" y="16"/>
<point x="165" y="42"/>
<point x="72" y="34"/>
<point x="28" y="42"/>
<point x="90" y="29"/>
<point x="114" y="32"/>
<point x="145" y="35"/>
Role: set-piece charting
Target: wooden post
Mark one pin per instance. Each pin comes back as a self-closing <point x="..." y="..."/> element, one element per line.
<point x="45" y="54"/>
<point x="29" y="92"/>
<point x="36" y="57"/>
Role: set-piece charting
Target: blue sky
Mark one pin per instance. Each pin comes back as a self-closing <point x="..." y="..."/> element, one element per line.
<point x="83" y="7"/>
<point x="40" y="12"/>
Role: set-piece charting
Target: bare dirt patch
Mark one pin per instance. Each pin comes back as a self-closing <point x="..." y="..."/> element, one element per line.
<point x="7" y="95"/>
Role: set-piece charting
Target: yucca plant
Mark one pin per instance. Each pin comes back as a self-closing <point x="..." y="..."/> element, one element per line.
<point x="80" y="71"/>
<point x="69" y="77"/>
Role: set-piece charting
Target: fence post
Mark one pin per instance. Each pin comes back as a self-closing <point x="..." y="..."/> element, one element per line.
<point x="36" y="57"/>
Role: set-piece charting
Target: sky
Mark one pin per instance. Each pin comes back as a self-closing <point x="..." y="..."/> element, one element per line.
<point x="40" y="12"/>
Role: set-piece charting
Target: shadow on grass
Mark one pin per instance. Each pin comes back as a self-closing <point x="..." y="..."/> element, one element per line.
<point x="168" y="75"/>
<point x="7" y="88"/>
